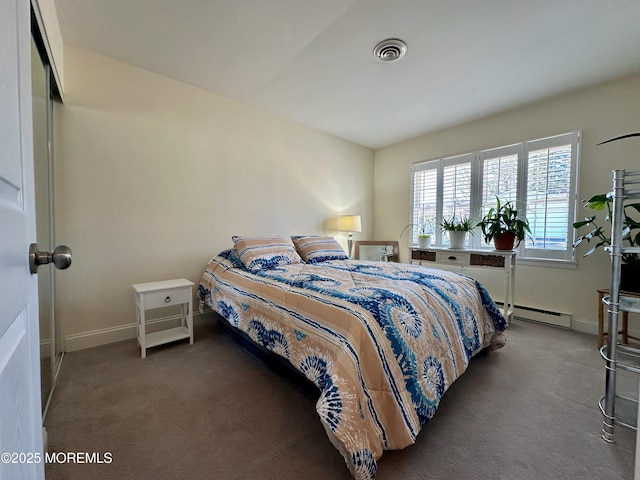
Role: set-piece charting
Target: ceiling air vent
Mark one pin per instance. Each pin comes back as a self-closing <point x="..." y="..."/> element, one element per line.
<point x="390" y="50"/>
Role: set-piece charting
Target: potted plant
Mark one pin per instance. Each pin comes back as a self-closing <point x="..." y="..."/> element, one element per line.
<point x="425" y="230"/>
<point x="630" y="276"/>
<point x="457" y="228"/>
<point x="504" y="226"/>
<point x="424" y="240"/>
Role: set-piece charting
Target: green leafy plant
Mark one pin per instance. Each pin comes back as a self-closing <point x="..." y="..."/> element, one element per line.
<point x="601" y="235"/>
<point x="424" y="227"/>
<point x="504" y="218"/>
<point x="457" y="224"/>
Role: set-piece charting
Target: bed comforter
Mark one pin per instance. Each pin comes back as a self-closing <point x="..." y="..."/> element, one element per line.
<point x="382" y="341"/>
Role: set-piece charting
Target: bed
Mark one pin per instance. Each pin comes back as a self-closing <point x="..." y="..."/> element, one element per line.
<point x="382" y="341"/>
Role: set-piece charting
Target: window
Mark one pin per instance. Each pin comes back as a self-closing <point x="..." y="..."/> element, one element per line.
<point x="539" y="176"/>
<point x="442" y="188"/>
<point x="425" y="186"/>
<point x="499" y="179"/>
<point x="550" y="198"/>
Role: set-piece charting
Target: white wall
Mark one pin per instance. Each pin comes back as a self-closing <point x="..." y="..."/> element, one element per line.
<point x="153" y="177"/>
<point x="601" y="112"/>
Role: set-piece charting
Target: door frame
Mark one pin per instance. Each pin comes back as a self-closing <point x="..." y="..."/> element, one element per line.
<point x="21" y="414"/>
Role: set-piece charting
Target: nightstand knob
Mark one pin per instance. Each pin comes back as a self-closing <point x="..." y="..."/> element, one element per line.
<point x="168" y="299"/>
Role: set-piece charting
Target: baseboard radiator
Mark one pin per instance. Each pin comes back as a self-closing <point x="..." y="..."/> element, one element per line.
<point x="548" y="317"/>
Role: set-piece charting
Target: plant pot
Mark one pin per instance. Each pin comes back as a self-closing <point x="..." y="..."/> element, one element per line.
<point x="630" y="278"/>
<point x="504" y="241"/>
<point x="457" y="238"/>
<point x="424" y="242"/>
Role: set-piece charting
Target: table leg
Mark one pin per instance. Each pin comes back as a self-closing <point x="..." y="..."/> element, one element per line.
<point x="142" y="333"/>
<point x="600" y="320"/>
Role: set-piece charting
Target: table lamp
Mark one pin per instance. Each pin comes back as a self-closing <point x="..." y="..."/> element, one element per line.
<point x="350" y="223"/>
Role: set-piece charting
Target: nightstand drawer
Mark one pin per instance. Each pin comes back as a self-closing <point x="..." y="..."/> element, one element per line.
<point x="165" y="298"/>
<point x="453" y="258"/>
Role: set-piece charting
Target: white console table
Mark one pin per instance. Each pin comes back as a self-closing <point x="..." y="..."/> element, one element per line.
<point x="476" y="258"/>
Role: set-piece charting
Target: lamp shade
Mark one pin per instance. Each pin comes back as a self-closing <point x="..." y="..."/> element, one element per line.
<point x="349" y="223"/>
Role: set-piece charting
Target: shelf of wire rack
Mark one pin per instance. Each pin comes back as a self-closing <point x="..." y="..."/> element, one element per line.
<point x="625" y="303"/>
<point x="626" y="408"/>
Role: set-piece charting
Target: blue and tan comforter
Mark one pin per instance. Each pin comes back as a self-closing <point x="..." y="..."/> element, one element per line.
<point x="382" y="341"/>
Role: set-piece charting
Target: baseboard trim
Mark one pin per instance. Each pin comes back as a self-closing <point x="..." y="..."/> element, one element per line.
<point x="583" y="325"/>
<point x="103" y="336"/>
<point x="45" y="348"/>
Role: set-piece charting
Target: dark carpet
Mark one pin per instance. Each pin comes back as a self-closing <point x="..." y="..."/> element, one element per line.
<point x="211" y="411"/>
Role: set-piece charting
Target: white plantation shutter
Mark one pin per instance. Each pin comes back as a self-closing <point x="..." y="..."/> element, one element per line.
<point x="551" y="172"/>
<point x="441" y="188"/>
<point x="456" y="191"/>
<point x="499" y="176"/>
<point x="425" y="194"/>
<point x="538" y="176"/>
<point x="499" y="179"/>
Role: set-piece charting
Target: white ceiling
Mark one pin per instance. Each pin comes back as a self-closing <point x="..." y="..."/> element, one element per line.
<point x="311" y="60"/>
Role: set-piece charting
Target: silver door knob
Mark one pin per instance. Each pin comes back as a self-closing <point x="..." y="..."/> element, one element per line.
<point x="61" y="257"/>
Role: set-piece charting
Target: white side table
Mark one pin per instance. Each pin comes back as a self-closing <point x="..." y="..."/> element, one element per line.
<point x="159" y="295"/>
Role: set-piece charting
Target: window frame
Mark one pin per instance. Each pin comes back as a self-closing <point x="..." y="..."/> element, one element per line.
<point x="532" y="255"/>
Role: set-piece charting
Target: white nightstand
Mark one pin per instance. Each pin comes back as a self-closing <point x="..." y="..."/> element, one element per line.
<point x="159" y="295"/>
